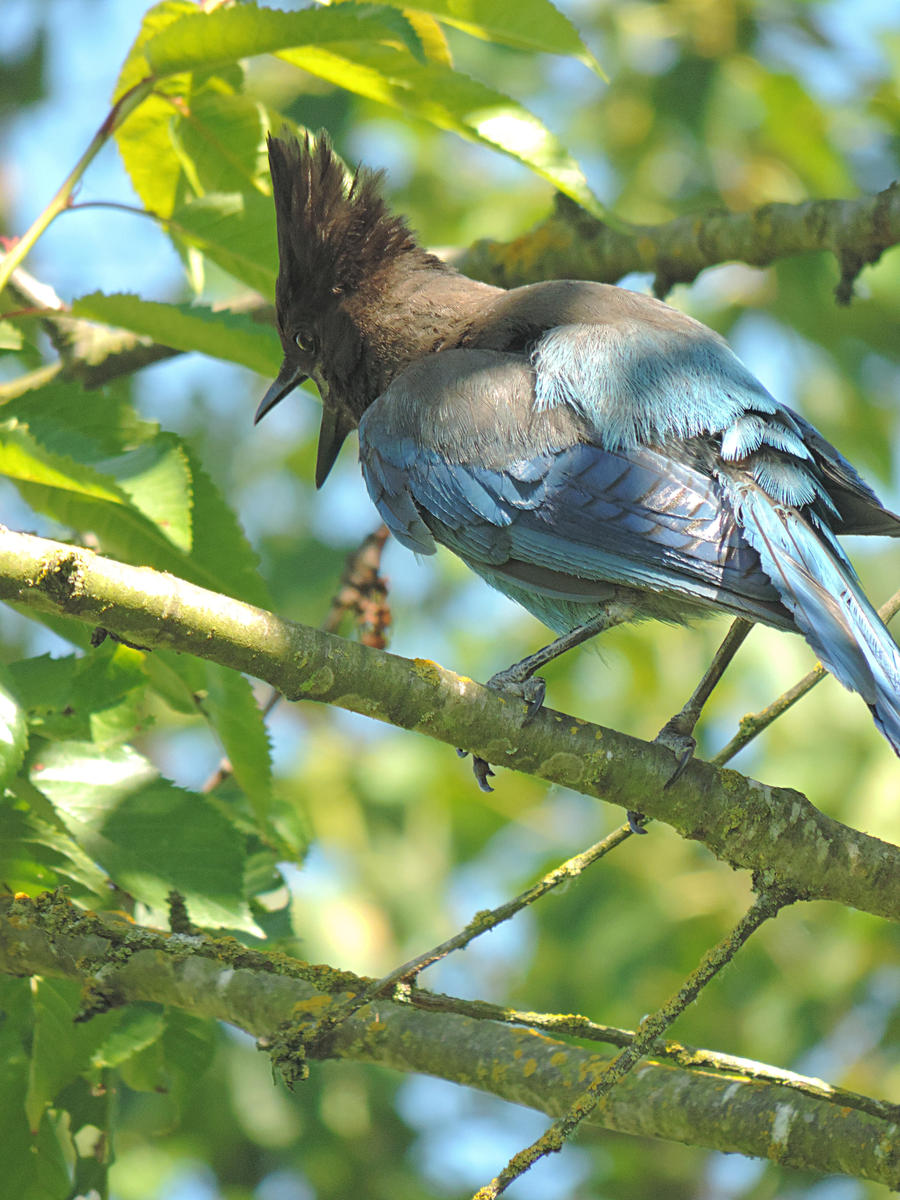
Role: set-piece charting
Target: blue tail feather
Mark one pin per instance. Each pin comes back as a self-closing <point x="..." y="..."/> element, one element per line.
<point x="819" y="587"/>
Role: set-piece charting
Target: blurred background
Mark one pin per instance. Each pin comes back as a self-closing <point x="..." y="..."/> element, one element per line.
<point x="710" y="103"/>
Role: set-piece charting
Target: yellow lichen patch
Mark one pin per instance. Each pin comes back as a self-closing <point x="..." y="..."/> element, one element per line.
<point x="559" y="1059"/>
<point x="427" y="670"/>
<point x="529" y="1068"/>
<point x="310" y="1004"/>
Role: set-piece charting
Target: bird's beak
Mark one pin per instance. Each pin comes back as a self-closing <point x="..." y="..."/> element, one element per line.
<point x="289" y="377"/>
<point x="335" y="427"/>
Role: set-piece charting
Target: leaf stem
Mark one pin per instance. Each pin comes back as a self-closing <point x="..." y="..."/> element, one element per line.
<point x="123" y="108"/>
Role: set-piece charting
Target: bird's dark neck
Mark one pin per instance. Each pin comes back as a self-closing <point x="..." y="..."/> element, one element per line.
<point x="415" y="311"/>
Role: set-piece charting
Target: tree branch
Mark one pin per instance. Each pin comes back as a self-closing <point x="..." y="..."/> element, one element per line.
<point x="122" y="964"/>
<point x="775" y="831"/>
<point x="571" y="244"/>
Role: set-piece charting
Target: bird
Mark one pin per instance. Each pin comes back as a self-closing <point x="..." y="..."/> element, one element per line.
<point x="593" y="453"/>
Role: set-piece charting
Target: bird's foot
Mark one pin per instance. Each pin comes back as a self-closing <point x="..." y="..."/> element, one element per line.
<point x="514" y="682"/>
<point x="530" y="688"/>
<point x="676" y="736"/>
<point x="636" y="821"/>
<point x="481" y="769"/>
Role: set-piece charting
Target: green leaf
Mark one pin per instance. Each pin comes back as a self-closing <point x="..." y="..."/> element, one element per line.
<point x="231" y="336"/>
<point x="80" y="496"/>
<point x="208" y="40"/>
<point x="95" y="698"/>
<point x="237" y="232"/>
<point x="24" y="460"/>
<point x="141" y="1025"/>
<point x="36" y="855"/>
<point x="120" y="529"/>
<point x="220" y="137"/>
<point x="174" y="1061"/>
<point x="144" y="140"/>
<point x="62" y="1049"/>
<point x="145" y="1070"/>
<point x="221" y="551"/>
<point x="149" y="835"/>
<point x="189" y="1044"/>
<point x="450" y="100"/>
<point x="159" y="499"/>
<point x="156" y="479"/>
<point x="526" y="24"/>
<point x="11" y="338"/>
<point x="15" y="1037"/>
<point x="232" y="711"/>
<point x="58" y="417"/>
<point x="53" y="1153"/>
<point x="13" y="729"/>
<point x="177" y="678"/>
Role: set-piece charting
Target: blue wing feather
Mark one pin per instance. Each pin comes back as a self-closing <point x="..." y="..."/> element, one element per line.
<point x="646" y="458"/>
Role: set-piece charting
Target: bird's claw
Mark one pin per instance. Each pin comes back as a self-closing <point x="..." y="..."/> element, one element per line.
<point x="674" y="737"/>
<point x="481" y="769"/>
<point x="682" y="744"/>
<point x="532" y="690"/>
<point x="636" y="821"/>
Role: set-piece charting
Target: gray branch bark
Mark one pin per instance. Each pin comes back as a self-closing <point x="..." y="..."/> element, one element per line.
<point x="775" y="832"/>
<point x="126" y="964"/>
<point x="570" y="244"/>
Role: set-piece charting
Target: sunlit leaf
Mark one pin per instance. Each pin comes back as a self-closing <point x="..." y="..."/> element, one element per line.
<point x="208" y="40"/>
<point x="13" y="728"/>
<point x="36" y="854"/>
<point x="149" y="835"/>
<point x="231" y="336"/>
<point x="11" y="338"/>
<point x="139" y="1027"/>
<point x="62" y="1048"/>
<point x="231" y="708"/>
<point x="526" y="24"/>
<point x="144" y="139"/>
<point x="73" y="698"/>
<point x="237" y="232"/>
<point x="450" y="100"/>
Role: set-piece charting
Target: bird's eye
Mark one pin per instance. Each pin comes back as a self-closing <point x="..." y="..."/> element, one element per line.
<point x="305" y="342"/>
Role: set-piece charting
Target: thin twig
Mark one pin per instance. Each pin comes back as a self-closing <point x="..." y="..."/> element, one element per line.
<point x="123" y="107"/>
<point x="766" y="905"/>
<point x="489" y="919"/>
<point x="363" y="591"/>
<point x="689" y="1058"/>
<point x="397" y="981"/>
<point x="754" y="723"/>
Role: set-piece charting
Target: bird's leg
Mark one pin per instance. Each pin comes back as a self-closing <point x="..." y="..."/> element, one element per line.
<point x="678" y="732"/>
<point x="521" y="681"/>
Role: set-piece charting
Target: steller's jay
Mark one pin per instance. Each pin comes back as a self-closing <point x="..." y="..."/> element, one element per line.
<point x="593" y="453"/>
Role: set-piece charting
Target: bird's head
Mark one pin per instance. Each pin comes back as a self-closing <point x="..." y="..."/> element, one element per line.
<point x="340" y="253"/>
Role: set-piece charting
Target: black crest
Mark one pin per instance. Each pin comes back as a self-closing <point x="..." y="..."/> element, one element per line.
<point x="334" y="232"/>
